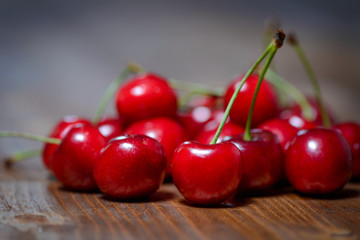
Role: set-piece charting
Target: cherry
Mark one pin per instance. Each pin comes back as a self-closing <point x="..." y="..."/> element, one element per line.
<point x="297" y="120"/>
<point x="59" y="131"/>
<point x="282" y="129"/>
<point x="111" y="127"/>
<point x="318" y="161"/>
<point x="351" y="132"/>
<point x="75" y="157"/>
<point x="146" y="96"/>
<point x="206" y="174"/>
<point x="130" y="167"/>
<point x="266" y="106"/>
<point x="263" y="160"/>
<point x="167" y="131"/>
<point x="229" y="129"/>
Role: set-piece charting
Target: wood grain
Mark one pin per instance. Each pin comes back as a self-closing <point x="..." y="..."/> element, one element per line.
<point x="39" y="208"/>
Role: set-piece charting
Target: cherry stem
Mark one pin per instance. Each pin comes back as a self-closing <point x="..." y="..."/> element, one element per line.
<point x="247" y="134"/>
<point x="270" y="27"/>
<point x="131" y="68"/>
<point x="292" y="92"/>
<point x="315" y="84"/>
<point x="21" y="155"/>
<point x="30" y="136"/>
<point x="277" y="42"/>
<point x="196" y="88"/>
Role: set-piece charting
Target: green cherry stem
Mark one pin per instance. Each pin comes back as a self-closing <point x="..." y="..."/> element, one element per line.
<point x="301" y="54"/>
<point x="21" y="155"/>
<point x="131" y="68"/>
<point x="278" y="37"/>
<point x="196" y="88"/>
<point x="247" y="134"/>
<point x="292" y="92"/>
<point x="30" y="137"/>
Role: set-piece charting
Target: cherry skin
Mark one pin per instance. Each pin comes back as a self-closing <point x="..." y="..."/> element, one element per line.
<point x="130" y="167"/>
<point x="111" y="127"/>
<point x="266" y="106"/>
<point x="282" y="129"/>
<point x="59" y="131"/>
<point x="146" y="96"/>
<point x="206" y="174"/>
<point x="165" y="130"/>
<point x="297" y="120"/>
<point x="351" y="132"/>
<point x="318" y="161"/>
<point x="75" y="157"/>
<point x="230" y="129"/>
<point x="263" y="160"/>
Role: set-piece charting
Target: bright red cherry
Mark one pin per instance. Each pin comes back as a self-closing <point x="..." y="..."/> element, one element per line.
<point x="266" y="106"/>
<point x="59" y="131"/>
<point x="263" y="160"/>
<point x="230" y="129"/>
<point x="351" y="132"/>
<point x="282" y="129"/>
<point x="75" y="157"/>
<point x="146" y="96"/>
<point x="131" y="167"/>
<point x="318" y="161"/>
<point x="111" y="127"/>
<point x="206" y="174"/>
<point x="167" y="131"/>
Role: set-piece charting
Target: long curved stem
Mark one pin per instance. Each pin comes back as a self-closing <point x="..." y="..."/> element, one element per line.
<point x="292" y="92"/>
<point x="232" y="100"/>
<point x="196" y="88"/>
<point x="110" y="91"/>
<point x="30" y="137"/>
<point x="301" y="54"/>
<point x="21" y="155"/>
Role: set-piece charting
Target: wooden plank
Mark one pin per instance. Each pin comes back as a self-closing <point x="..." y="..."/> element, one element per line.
<point x="38" y="208"/>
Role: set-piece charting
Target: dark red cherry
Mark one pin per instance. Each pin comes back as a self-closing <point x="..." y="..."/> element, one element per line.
<point x="230" y="129"/>
<point x="59" y="131"/>
<point x="266" y="106"/>
<point x="297" y="120"/>
<point x="75" y="157"/>
<point x="111" y="127"/>
<point x="206" y="174"/>
<point x="351" y="132"/>
<point x="131" y="167"/>
<point x="167" y="131"/>
<point x="318" y="161"/>
<point x="282" y="129"/>
<point x="263" y="160"/>
<point x="146" y="96"/>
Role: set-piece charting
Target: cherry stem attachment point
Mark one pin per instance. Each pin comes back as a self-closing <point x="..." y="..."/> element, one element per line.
<point x="196" y="88"/>
<point x="276" y="43"/>
<point x="30" y="137"/>
<point x="21" y="155"/>
<point x="292" y="92"/>
<point x="131" y="68"/>
<point x="292" y="40"/>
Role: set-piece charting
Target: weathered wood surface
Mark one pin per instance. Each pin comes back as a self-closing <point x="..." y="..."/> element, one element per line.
<point x="34" y="206"/>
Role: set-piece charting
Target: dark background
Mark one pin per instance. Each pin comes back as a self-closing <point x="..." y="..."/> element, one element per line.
<point x="58" y="57"/>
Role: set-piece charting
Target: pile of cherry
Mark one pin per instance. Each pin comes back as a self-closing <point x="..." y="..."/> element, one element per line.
<point x="213" y="146"/>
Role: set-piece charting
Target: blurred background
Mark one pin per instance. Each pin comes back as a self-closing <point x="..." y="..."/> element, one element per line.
<point x="58" y="57"/>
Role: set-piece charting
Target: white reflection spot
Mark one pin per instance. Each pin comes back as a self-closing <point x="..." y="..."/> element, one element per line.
<point x="126" y="146"/>
<point x="202" y="114"/>
<point x="79" y="137"/>
<point x="312" y="145"/>
<point x="137" y="91"/>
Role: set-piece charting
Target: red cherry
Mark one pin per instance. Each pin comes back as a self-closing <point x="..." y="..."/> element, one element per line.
<point x="263" y="160"/>
<point x="75" y="157"/>
<point x="282" y="129"/>
<point x="318" y="161"/>
<point x="110" y="127"/>
<point x="230" y="129"/>
<point x="59" y="131"/>
<point x="146" y="96"/>
<point x="167" y="131"/>
<point x="266" y="106"/>
<point x="297" y="120"/>
<point x="131" y="167"/>
<point x="206" y="174"/>
<point x="351" y="132"/>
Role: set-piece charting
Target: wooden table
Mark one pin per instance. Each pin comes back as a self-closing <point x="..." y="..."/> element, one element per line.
<point x="34" y="206"/>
